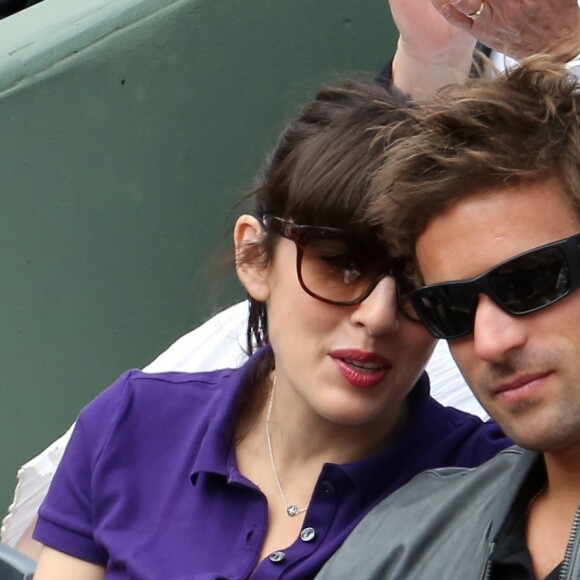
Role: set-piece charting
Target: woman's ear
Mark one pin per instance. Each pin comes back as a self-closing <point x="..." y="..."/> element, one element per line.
<point x="251" y="268"/>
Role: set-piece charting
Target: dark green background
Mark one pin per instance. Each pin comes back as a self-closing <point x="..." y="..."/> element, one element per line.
<point x="128" y="130"/>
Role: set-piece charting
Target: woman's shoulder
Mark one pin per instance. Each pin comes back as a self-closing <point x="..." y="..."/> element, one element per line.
<point x="463" y="439"/>
<point x="183" y="383"/>
<point x="143" y="414"/>
<point x="136" y="392"/>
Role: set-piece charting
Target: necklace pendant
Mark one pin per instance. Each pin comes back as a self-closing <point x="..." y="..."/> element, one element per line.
<point x="292" y="510"/>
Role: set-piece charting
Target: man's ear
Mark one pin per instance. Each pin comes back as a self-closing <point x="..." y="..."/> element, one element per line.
<point x="252" y="270"/>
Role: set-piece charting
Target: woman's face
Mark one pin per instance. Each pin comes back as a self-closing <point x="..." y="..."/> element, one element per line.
<point x="351" y="365"/>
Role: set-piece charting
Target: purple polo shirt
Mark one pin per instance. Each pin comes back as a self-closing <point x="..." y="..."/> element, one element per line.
<point x="148" y="486"/>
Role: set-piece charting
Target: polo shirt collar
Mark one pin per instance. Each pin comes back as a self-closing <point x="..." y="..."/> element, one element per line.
<point x="385" y="470"/>
<point x="215" y="430"/>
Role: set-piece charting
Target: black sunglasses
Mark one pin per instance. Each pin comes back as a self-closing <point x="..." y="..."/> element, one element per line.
<point x="521" y="285"/>
<point x="330" y="266"/>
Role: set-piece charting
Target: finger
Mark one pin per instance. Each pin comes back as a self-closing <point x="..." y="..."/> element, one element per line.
<point x="469" y="15"/>
<point x="467" y="7"/>
<point x="453" y="15"/>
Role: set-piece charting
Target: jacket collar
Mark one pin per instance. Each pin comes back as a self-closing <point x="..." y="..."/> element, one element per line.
<point x="520" y="471"/>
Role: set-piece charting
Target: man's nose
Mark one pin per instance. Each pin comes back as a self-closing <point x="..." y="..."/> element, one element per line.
<point x="495" y="332"/>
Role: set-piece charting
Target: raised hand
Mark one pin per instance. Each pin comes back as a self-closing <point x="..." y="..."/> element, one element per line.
<point x="518" y="28"/>
<point x="431" y="51"/>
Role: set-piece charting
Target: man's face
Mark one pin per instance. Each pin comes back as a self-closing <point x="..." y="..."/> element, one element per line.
<point x="524" y="370"/>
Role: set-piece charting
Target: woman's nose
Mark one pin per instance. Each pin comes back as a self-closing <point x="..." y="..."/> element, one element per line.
<point x="379" y="312"/>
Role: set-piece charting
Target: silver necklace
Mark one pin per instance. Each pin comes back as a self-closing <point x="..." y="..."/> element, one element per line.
<point x="291" y="509"/>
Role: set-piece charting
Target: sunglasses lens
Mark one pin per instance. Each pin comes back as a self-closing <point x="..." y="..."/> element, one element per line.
<point x="334" y="270"/>
<point x="447" y="310"/>
<point x="405" y="287"/>
<point x="525" y="284"/>
<point x="532" y="281"/>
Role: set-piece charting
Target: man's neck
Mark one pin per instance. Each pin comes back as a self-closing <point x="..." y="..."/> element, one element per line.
<point x="563" y="473"/>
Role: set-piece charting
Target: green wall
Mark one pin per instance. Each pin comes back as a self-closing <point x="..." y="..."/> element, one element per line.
<point x="128" y="130"/>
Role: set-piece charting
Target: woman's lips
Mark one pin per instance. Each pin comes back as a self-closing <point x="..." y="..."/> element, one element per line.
<point x="361" y="369"/>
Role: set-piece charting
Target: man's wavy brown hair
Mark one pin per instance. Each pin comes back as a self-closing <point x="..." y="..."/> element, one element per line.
<point x="522" y="126"/>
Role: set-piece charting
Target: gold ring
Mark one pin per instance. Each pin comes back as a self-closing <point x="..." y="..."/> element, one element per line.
<point x="475" y="15"/>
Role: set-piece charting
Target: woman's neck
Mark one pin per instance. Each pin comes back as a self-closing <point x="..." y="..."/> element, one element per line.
<point x="300" y="436"/>
<point x="283" y="449"/>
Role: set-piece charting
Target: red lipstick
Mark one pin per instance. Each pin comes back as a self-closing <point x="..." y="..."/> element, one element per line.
<point x="361" y="369"/>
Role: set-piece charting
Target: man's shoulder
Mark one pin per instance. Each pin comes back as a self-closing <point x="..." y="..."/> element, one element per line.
<point x="446" y="484"/>
<point x="432" y="523"/>
<point x="447" y="478"/>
